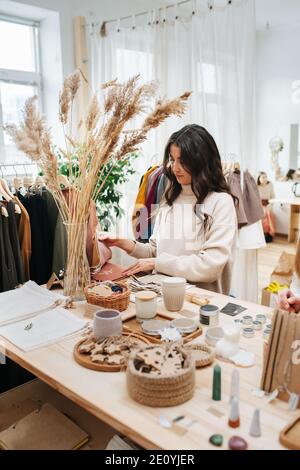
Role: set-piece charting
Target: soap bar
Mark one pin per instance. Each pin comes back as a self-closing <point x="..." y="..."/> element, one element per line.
<point x="216" y="440"/>
<point x="237" y="443"/>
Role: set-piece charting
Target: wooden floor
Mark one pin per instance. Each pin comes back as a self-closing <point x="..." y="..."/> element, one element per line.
<point x="267" y="258"/>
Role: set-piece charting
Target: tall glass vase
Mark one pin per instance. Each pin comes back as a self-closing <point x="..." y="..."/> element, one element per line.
<point x="77" y="273"/>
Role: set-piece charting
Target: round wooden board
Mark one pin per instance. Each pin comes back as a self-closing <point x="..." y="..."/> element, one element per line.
<point x="85" y="359"/>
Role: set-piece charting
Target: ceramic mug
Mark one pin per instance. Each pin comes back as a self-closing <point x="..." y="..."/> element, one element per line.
<point x="107" y="323"/>
<point x="173" y="291"/>
<point x="145" y="305"/>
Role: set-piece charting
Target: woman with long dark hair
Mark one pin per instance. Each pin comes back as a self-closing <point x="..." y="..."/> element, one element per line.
<point x="195" y="229"/>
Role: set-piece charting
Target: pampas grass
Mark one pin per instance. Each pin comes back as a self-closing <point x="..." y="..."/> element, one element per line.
<point x="104" y="137"/>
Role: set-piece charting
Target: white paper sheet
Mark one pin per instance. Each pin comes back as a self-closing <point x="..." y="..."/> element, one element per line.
<point x="25" y="302"/>
<point x="42" y="330"/>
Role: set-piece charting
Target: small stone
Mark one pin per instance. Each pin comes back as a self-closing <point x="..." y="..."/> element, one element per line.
<point x="216" y="440"/>
<point x="237" y="443"/>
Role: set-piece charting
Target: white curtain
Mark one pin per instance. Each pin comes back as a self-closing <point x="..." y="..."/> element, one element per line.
<point x="191" y="47"/>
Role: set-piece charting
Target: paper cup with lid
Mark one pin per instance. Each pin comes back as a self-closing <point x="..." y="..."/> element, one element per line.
<point x="173" y="291"/>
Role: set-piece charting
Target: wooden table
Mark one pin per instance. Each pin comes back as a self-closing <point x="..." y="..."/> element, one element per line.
<point x="105" y="395"/>
<point x="294" y="203"/>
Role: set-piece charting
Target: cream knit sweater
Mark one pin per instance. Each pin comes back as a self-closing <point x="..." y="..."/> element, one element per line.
<point x="181" y="247"/>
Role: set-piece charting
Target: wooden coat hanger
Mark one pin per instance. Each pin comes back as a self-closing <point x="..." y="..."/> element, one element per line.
<point x="11" y="196"/>
<point x="3" y="192"/>
<point x="4" y="210"/>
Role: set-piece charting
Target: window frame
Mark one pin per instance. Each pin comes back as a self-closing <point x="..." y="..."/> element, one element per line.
<point x="20" y="77"/>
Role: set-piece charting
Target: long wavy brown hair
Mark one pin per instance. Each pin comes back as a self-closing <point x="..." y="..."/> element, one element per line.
<point x="199" y="155"/>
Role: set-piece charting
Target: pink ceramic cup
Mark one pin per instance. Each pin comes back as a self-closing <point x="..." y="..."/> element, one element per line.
<point x="107" y="323"/>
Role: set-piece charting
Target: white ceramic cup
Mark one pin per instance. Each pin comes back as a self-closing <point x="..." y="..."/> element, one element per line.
<point x="107" y="323"/>
<point x="173" y="291"/>
<point x="145" y="305"/>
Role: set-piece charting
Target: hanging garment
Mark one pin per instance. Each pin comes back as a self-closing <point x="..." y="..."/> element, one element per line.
<point x="60" y="247"/>
<point x="52" y="213"/>
<point x="9" y="255"/>
<point x="150" y="203"/>
<point x="251" y="199"/>
<point x="42" y="249"/>
<point x="13" y="220"/>
<point x="140" y="216"/>
<point x="234" y="183"/>
<point x="24" y="234"/>
<point x="151" y="178"/>
<point x="161" y="188"/>
<point x="250" y="239"/>
<point x="5" y="285"/>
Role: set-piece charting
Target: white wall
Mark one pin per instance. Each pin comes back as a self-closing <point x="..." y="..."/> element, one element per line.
<point x="278" y="66"/>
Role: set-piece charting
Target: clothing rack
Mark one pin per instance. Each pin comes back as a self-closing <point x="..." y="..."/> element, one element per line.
<point x="4" y="166"/>
<point x="155" y="12"/>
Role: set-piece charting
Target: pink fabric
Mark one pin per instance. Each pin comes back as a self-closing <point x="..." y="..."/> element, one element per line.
<point x="109" y="272"/>
<point x="104" y="252"/>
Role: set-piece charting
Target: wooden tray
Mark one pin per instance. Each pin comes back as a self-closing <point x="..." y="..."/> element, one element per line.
<point x="132" y="325"/>
<point x="290" y="435"/>
<point x="85" y="359"/>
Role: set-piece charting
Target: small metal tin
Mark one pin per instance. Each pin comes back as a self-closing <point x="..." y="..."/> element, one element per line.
<point x="266" y="333"/>
<point x="248" y="332"/>
<point x="257" y="325"/>
<point x="184" y="325"/>
<point x="209" y="315"/>
<point x="247" y="320"/>
<point x="238" y="321"/>
<point x="260" y="317"/>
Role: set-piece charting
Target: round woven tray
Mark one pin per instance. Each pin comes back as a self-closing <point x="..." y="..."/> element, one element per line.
<point x="202" y="354"/>
<point x="116" y="302"/>
<point x="86" y="361"/>
<point x="161" y="391"/>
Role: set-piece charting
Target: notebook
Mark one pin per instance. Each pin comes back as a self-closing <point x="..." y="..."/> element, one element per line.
<point x="43" y="429"/>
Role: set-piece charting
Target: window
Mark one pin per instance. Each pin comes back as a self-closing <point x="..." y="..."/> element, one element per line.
<point x="20" y="77"/>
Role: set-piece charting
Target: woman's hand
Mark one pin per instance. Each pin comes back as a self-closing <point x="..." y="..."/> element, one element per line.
<point x="142" y="265"/>
<point x="123" y="243"/>
<point x="287" y="300"/>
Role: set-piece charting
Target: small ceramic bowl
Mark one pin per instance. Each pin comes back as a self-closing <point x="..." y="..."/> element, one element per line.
<point x="213" y="335"/>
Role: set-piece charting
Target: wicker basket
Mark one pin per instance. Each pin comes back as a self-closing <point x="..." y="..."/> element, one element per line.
<point x="202" y="354"/>
<point x="118" y="302"/>
<point x="166" y="390"/>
